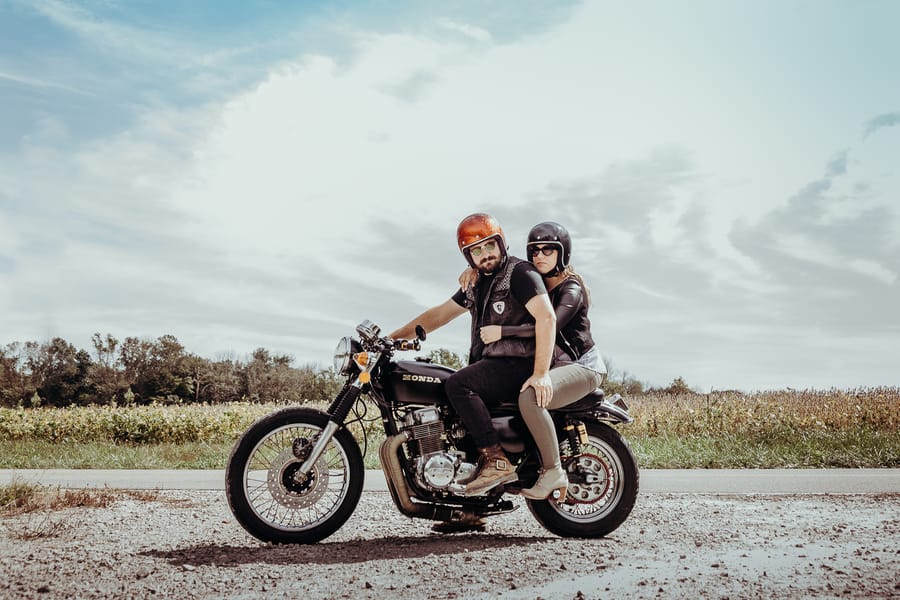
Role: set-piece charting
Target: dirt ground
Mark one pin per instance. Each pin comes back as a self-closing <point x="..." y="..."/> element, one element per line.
<point x="187" y="544"/>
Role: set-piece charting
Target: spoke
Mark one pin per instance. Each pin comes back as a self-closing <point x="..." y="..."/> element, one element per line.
<point x="305" y="506"/>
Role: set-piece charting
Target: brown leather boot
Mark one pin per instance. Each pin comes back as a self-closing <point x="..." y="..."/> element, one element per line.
<point x="493" y="469"/>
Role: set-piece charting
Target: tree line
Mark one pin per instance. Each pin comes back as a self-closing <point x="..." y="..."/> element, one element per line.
<point x="143" y="371"/>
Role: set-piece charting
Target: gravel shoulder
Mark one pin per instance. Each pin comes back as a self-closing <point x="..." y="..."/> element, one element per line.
<point x="187" y="544"/>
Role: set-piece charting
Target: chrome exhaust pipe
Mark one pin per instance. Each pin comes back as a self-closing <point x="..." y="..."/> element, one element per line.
<point x="393" y="475"/>
<point x="396" y="483"/>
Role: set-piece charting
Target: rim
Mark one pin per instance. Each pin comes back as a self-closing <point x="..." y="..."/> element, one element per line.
<point x="597" y="498"/>
<point x="273" y="494"/>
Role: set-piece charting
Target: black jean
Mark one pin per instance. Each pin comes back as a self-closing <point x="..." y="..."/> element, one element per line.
<point x="488" y="382"/>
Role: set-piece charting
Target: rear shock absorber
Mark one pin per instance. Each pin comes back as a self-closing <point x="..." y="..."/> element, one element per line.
<point x="576" y="435"/>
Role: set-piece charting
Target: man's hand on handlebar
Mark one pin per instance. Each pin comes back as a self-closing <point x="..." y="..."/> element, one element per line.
<point x="414" y="345"/>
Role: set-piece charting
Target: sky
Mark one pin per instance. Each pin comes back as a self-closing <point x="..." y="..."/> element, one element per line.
<point x="269" y="174"/>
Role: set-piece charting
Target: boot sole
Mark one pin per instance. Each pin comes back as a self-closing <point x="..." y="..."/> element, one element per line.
<point x="508" y="479"/>
<point x="563" y="490"/>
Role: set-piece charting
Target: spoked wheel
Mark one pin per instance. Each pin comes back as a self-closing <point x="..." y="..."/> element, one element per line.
<point x="269" y="496"/>
<point x="603" y="487"/>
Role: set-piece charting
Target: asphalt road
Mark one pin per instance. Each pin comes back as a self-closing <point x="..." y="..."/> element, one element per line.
<point x="687" y="481"/>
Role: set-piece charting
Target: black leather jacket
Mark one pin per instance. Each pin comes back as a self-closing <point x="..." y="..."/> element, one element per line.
<point x="573" y="327"/>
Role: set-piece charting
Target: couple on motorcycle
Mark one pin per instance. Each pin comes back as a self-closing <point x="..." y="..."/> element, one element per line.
<point x="526" y="341"/>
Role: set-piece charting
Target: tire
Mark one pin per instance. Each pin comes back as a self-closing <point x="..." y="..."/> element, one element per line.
<point x="593" y="510"/>
<point x="268" y="503"/>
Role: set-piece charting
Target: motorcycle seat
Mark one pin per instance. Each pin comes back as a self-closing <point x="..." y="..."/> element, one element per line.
<point x="592" y="399"/>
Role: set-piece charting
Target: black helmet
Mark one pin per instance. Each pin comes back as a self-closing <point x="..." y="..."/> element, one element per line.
<point x="550" y="233"/>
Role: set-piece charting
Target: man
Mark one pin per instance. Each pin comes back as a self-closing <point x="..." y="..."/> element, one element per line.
<point x="509" y="291"/>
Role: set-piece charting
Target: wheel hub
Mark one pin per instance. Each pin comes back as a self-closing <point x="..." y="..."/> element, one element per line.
<point x="289" y="488"/>
<point x="596" y="482"/>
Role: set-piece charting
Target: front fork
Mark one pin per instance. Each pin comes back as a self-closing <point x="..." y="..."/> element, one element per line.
<point x="338" y="411"/>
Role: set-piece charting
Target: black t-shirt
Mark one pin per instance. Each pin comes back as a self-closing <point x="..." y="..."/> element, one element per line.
<point x="524" y="284"/>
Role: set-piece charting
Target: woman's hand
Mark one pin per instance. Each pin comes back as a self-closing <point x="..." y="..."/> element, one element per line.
<point x="543" y="389"/>
<point x="468" y="278"/>
<point x="490" y="333"/>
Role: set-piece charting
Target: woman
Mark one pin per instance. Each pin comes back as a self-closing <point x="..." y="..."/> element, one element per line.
<point x="578" y="368"/>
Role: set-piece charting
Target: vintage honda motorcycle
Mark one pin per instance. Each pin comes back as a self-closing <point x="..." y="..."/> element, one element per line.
<point x="296" y="475"/>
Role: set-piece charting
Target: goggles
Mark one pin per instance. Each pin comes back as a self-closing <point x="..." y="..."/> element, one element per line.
<point x="545" y="250"/>
<point x="478" y="250"/>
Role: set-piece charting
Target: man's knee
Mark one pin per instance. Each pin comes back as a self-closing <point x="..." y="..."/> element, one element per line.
<point x="452" y="381"/>
<point x="456" y="384"/>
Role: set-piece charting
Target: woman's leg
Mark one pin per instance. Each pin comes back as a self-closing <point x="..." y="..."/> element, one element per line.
<point x="570" y="383"/>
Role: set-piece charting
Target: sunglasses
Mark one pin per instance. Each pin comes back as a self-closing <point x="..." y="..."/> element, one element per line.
<point x="477" y="250"/>
<point x="545" y="250"/>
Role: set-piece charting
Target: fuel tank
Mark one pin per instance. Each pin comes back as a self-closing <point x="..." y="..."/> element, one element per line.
<point x="416" y="382"/>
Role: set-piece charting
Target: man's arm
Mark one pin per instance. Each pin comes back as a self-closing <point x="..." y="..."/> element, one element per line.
<point x="433" y="318"/>
<point x="544" y="336"/>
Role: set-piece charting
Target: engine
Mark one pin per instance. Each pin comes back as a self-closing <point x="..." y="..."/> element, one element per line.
<point x="436" y="466"/>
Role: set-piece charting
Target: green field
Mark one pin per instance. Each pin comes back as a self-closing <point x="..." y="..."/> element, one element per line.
<point x="832" y="428"/>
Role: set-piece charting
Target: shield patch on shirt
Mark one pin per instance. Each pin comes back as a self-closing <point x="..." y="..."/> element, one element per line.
<point x="499" y="307"/>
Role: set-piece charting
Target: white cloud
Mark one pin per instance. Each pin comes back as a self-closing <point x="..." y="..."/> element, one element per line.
<point x="266" y="219"/>
<point x="476" y="33"/>
<point x="122" y="40"/>
<point x="42" y="83"/>
<point x="804" y="248"/>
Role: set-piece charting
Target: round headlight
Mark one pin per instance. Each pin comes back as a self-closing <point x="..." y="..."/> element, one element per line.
<point x="342" y="356"/>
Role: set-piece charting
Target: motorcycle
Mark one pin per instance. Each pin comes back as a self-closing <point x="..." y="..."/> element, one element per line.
<point x="296" y="475"/>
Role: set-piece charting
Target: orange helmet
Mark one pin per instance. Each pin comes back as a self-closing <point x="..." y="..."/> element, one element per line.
<point x="476" y="228"/>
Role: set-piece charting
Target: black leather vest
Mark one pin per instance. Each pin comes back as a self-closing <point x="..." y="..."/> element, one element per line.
<point x="500" y="308"/>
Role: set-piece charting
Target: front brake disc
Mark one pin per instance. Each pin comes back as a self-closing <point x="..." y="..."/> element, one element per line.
<point x="287" y="490"/>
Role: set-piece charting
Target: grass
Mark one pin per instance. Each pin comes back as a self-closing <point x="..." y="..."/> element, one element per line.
<point x="77" y="455"/>
<point x="858" y="449"/>
<point x="26" y="508"/>
<point x="41" y="454"/>
<point x="36" y="502"/>
<point x="807" y="428"/>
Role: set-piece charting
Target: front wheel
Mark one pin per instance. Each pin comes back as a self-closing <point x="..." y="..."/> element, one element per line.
<point x="603" y="487"/>
<point x="268" y="496"/>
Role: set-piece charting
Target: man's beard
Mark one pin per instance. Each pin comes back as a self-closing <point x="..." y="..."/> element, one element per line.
<point x="488" y="265"/>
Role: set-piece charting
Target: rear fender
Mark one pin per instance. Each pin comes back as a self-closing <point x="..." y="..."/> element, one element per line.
<point x="595" y="406"/>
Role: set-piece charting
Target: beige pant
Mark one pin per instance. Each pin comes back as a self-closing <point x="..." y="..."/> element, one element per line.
<point x="571" y="382"/>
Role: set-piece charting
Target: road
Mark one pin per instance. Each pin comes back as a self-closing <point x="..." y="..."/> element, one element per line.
<point x="747" y="534"/>
<point x="671" y="481"/>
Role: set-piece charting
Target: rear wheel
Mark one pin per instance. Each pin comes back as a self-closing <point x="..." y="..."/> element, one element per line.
<point x="269" y="497"/>
<point x="603" y="487"/>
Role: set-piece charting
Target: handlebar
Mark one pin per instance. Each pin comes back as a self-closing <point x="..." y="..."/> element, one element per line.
<point x="414" y="345"/>
<point x="370" y="332"/>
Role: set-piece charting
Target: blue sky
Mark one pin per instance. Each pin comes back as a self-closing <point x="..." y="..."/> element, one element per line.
<point x="270" y="173"/>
